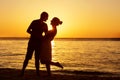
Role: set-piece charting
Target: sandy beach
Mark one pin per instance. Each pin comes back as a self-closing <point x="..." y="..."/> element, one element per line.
<point x="13" y="74"/>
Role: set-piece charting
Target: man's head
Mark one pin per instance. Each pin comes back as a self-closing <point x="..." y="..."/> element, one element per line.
<point x="44" y="16"/>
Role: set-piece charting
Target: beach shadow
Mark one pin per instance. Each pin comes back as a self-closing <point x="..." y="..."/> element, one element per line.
<point x="13" y="74"/>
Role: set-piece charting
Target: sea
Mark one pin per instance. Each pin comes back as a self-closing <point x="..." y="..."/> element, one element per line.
<point x="99" y="55"/>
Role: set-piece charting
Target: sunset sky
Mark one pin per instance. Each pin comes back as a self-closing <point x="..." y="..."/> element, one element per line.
<point x="81" y="18"/>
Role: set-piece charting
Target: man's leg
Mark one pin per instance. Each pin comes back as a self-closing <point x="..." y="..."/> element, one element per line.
<point x="24" y="66"/>
<point x="37" y="62"/>
<point x="48" y="69"/>
<point x="27" y="58"/>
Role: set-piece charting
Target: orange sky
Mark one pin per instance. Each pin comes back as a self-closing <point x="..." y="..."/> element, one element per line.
<point x="81" y="18"/>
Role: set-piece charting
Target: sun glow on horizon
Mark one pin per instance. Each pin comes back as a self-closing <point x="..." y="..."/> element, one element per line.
<point x="81" y="18"/>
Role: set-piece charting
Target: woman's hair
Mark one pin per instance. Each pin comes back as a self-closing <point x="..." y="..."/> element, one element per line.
<point x="56" y="21"/>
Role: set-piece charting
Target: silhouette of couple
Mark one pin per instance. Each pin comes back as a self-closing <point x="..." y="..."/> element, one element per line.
<point x="41" y="44"/>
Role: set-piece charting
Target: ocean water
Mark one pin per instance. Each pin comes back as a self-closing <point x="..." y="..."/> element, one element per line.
<point x="74" y="55"/>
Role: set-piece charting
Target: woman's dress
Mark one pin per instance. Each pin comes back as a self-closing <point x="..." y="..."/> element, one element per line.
<point x="46" y="51"/>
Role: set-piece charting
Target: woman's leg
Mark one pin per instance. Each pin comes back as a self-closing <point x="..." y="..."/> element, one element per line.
<point x="56" y="64"/>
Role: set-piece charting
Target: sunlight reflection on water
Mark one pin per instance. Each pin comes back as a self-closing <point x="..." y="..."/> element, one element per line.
<point x="74" y="55"/>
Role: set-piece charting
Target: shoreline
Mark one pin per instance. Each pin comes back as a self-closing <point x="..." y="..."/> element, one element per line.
<point x="13" y="74"/>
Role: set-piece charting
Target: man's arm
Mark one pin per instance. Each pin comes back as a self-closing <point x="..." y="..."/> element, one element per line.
<point x="29" y="30"/>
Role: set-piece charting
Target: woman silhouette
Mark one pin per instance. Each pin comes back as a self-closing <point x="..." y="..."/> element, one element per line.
<point x="46" y="54"/>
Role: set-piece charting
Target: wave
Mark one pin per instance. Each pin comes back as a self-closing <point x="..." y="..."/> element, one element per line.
<point x="83" y="72"/>
<point x="70" y="72"/>
<point x="10" y="54"/>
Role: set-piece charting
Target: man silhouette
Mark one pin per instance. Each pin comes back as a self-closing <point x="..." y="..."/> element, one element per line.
<point x="36" y="29"/>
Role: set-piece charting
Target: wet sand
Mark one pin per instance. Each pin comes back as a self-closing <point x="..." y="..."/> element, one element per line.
<point x="13" y="74"/>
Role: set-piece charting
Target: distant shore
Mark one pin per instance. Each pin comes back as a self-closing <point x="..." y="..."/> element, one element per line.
<point x="82" y="39"/>
<point x="13" y="74"/>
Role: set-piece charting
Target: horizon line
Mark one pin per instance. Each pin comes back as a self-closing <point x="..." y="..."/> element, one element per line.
<point x="71" y="37"/>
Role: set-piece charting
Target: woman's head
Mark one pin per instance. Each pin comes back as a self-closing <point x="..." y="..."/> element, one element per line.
<point x="55" y="21"/>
